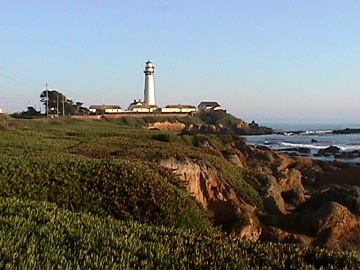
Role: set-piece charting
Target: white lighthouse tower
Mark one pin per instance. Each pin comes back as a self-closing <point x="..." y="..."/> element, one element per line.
<point x="149" y="91"/>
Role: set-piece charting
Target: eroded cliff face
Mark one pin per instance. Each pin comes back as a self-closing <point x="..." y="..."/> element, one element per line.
<point x="300" y="206"/>
<point x="166" y="126"/>
<point x="211" y="190"/>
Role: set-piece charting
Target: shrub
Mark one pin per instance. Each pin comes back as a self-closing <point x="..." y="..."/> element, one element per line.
<point x="122" y="189"/>
<point x="162" y="137"/>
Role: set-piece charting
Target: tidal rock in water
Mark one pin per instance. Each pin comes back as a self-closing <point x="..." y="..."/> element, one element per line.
<point x="347" y="131"/>
<point x="348" y="155"/>
<point x="329" y="151"/>
<point x="302" y="150"/>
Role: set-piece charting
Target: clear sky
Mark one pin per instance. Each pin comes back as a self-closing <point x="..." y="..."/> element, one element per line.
<point x="260" y="59"/>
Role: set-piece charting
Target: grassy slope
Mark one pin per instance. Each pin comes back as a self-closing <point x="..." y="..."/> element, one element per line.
<point x="110" y="203"/>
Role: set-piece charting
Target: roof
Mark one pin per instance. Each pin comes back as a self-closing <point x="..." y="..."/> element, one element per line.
<point x="143" y="106"/>
<point x="136" y="102"/>
<point x="104" y="107"/>
<point x="180" y="106"/>
<point x="209" y="103"/>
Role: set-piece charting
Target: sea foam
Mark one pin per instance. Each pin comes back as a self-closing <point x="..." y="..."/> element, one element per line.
<point x="318" y="147"/>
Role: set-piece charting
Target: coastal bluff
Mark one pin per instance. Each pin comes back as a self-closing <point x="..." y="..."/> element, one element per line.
<point x="304" y="201"/>
<point x="249" y="192"/>
<point x="213" y="122"/>
<point x="168" y="200"/>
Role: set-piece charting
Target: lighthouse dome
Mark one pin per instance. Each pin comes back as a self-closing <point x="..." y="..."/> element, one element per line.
<point x="149" y="64"/>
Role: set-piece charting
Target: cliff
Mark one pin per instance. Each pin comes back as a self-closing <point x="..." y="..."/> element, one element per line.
<point x="303" y="201"/>
<point x="204" y="123"/>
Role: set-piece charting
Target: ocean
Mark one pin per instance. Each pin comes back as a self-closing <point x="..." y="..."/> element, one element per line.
<point x="312" y="136"/>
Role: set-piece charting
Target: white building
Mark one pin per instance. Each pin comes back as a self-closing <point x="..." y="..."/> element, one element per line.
<point x="149" y="90"/>
<point x="1" y="111"/>
<point x="99" y="109"/>
<point x="178" y="109"/>
<point x="140" y="107"/>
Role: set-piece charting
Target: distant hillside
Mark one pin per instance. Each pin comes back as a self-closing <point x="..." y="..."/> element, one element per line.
<point x="199" y="123"/>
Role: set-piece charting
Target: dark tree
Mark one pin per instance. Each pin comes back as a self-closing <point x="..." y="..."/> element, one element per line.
<point x="58" y="104"/>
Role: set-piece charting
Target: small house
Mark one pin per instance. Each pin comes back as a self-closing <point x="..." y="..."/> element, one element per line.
<point x="208" y="106"/>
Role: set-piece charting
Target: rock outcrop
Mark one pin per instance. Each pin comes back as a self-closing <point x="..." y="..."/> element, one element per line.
<point x="329" y="151"/>
<point x="331" y="225"/>
<point x="166" y="126"/>
<point x="346" y="195"/>
<point x="240" y="129"/>
<point x="204" y="183"/>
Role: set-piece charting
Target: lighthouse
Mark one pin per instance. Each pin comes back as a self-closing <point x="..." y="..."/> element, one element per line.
<point x="149" y="90"/>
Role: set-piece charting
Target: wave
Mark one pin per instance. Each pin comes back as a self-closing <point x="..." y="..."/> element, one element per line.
<point x="307" y="132"/>
<point x="350" y="148"/>
<point x="318" y="147"/>
<point x="303" y="145"/>
<point x="316" y="132"/>
<point x="270" y="142"/>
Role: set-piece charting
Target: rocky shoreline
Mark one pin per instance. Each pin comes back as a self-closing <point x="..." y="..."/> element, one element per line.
<point x="305" y="201"/>
<point x="327" y="145"/>
<point x="335" y="131"/>
<point x="332" y="152"/>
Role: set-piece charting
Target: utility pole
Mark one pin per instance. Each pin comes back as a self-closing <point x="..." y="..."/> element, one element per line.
<point x="63" y="106"/>
<point x="57" y="103"/>
<point x="47" y="99"/>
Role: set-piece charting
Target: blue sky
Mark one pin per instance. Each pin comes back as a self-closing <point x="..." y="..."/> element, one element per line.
<point x="262" y="60"/>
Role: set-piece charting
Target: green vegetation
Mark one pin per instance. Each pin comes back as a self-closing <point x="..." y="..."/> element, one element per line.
<point x="90" y="194"/>
<point x="122" y="189"/>
<point x="224" y="119"/>
<point x="39" y="235"/>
